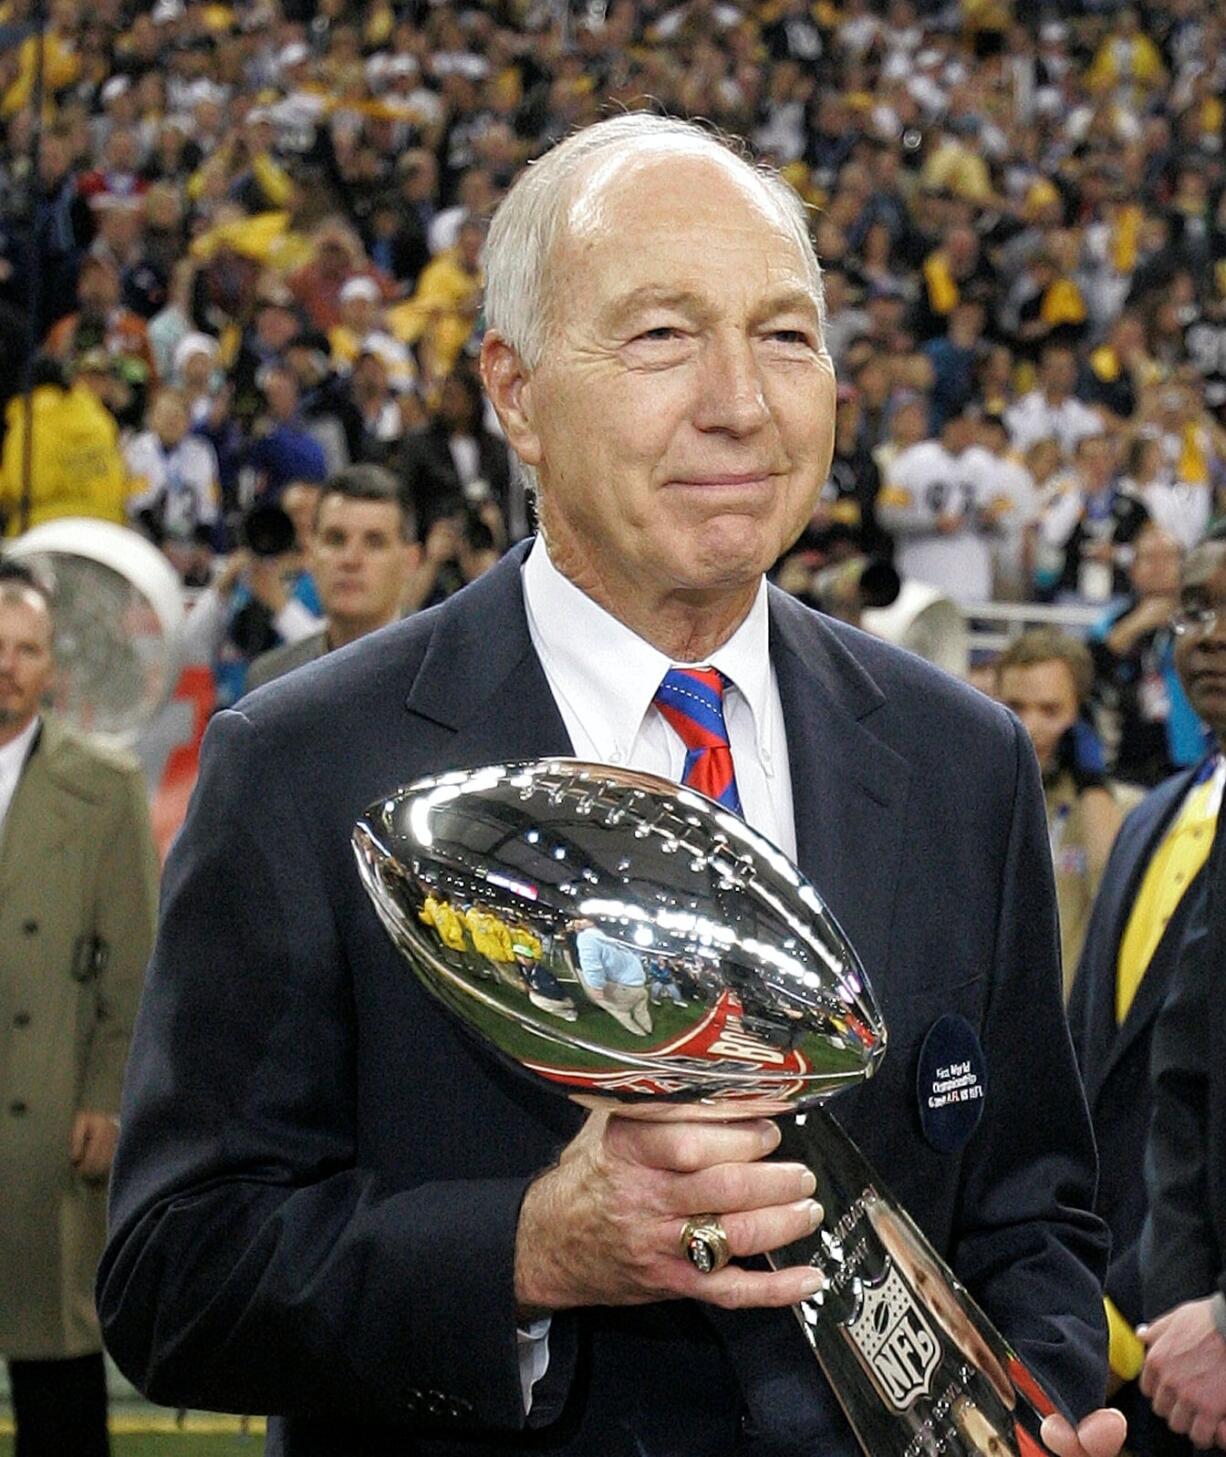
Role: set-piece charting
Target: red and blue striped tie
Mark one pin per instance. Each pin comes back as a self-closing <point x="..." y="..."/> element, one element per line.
<point x="692" y="702"/>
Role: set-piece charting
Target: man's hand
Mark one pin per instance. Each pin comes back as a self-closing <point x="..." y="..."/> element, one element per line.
<point x="1101" y="1434"/>
<point x="91" y="1144"/>
<point x="604" y="1226"/>
<point x="1184" y="1374"/>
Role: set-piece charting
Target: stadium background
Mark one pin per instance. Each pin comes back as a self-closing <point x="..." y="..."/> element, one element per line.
<point x="240" y="246"/>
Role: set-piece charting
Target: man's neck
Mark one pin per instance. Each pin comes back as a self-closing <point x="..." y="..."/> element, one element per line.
<point x="686" y="627"/>
<point x="340" y="632"/>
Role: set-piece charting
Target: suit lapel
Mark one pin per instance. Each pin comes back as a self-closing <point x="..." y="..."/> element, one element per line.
<point x="849" y="789"/>
<point x="40" y="816"/>
<point x="1108" y="1039"/>
<point x="482" y="679"/>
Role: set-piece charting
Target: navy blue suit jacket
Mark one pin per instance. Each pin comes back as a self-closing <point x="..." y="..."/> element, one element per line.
<point x="316" y="1193"/>
<point x="1114" y="1059"/>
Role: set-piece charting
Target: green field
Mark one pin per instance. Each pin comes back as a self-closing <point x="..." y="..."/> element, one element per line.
<point x="153" y="1432"/>
<point x="178" y="1444"/>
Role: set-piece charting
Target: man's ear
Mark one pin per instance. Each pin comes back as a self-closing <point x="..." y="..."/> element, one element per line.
<point x="509" y="387"/>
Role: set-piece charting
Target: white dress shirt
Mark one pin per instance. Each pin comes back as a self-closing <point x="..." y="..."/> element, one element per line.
<point x="604" y="678"/>
<point x="12" y="762"/>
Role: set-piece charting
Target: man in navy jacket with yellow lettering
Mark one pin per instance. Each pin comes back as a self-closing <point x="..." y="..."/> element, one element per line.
<point x="328" y="1205"/>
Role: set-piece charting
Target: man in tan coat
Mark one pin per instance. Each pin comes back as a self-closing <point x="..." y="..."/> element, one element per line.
<point x="78" y="892"/>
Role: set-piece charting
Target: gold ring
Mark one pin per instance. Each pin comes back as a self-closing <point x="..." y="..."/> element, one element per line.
<point x="704" y="1242"/>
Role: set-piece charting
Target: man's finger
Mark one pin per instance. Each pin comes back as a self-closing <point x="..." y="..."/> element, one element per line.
<point x="77" y="1139"/>
<point x="758" y="1231"/>
<point x="735" y="1288"/>
<point x="1202" y="1430"/>
<point x="685" y="1147"/>
<point x="1180" y="1416"/>
<point x="1101" y="1434"/>
<point x="730" y="1188"/>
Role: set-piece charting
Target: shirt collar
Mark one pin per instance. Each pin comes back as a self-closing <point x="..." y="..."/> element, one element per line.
<point x="13" y="754"/>
<point x="609" y="674"/>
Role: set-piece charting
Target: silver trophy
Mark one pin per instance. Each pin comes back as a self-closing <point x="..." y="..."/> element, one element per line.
<point x="626" y="938"/>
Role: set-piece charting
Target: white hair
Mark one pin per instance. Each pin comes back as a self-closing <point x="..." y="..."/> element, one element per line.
<point x="530" y="219"/>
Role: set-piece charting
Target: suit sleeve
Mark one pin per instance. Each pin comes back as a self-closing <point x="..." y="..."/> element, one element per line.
<point x="1027" y="1243"/>
<point x="1180" y="1259"/>
<point x="255" y="1265"/>
<point x="125" y="899"/>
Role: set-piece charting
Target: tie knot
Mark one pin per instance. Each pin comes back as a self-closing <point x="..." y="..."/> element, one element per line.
<point x="692" y="701"/>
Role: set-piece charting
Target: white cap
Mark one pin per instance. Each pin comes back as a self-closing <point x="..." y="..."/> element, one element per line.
<point x="359" y="286"/>
<point x="116" y="86"/>
<point x="292" y="54"/>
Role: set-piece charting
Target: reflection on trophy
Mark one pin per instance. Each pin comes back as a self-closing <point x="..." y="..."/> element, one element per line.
<point x="668" y="953"/>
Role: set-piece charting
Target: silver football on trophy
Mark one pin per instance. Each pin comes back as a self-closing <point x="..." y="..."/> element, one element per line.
<point x="620" y="935"/>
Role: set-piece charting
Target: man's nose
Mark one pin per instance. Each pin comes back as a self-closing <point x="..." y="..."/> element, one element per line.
<point x="732" y="397"/>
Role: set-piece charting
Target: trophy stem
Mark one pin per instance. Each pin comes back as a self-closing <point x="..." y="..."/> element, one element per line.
<point x="917" y="1367"/>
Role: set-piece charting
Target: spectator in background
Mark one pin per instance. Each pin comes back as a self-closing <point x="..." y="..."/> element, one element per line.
<point x="1046" y="678"/>
<point x="439" y="319"/>
<point x="76" y="467"/>
<point x="933" y="507"/>
<point x="1051" y="410"/>
<point x="174" y="496"/>
<point x="261" y="596"/>
<point x="955" y="356"/>
<point x="366" y="561"/>
<point x="1180" y="509"/>
<point x="102" y="322"/>
<point x="1135" y="672"/>
<point x="76" y="928"/>
<point x="1087" y="527"/>
<point x="454" y="460"/>
<point x="285" y="449"/>
<point x="336" y="258"/>
<point x="1009" y="505"/>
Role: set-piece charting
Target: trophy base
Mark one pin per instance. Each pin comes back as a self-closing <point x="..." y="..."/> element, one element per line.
<point x="918" y="1368"/>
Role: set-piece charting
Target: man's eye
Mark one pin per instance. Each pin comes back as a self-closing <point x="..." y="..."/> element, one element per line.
<point x="792" y="336"/>
<point x="662" y="332"/>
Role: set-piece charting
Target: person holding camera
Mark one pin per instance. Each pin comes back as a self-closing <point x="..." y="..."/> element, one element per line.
<point x="261" y="597"/>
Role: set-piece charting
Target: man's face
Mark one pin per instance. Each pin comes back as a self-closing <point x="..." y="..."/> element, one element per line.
<point x="1044" y="697"/>
<point x="169" y="419"/>
<point x="1155" y="564"/>
<point x="682" y="417"/>
<point x="97" y="287"/>
<point x="26" y="662"/>
<point x="1200" y="657"/>
<point x="359" y="559"/>
<point x="1058" y="371"/>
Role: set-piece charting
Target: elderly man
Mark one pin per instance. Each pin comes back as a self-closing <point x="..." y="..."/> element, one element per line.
<point x="328" y="1205"/>
<point x="79" y="878"/>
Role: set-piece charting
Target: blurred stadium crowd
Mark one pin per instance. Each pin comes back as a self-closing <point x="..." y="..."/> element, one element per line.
<point x="250" y="252"/>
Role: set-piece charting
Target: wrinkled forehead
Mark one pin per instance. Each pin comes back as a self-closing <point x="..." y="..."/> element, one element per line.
<point x="659" y="177"/>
